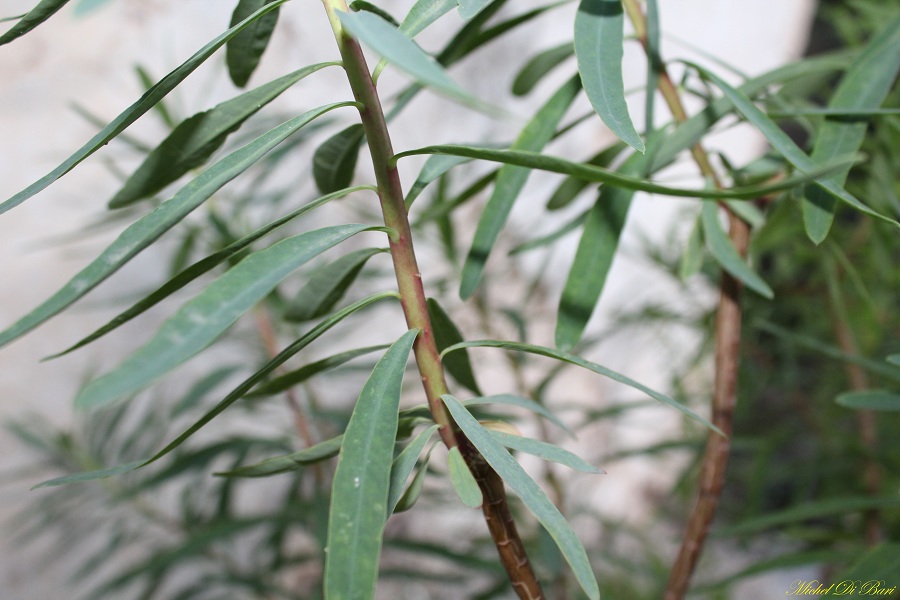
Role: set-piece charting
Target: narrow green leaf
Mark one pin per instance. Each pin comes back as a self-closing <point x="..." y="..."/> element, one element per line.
<point x="863" y="87"/>
<point x="289" y="380"/>
<point x="894" y="359"/>
<point x="531" y="494"/>
<point x="199" y="322"/>
<point x="578" y="361"/>
<point x="723" y="251"/>
<point x="654" y="64"/>
<point x="593" y="260"/>
<point x="289" y="462"/>
<point x="870" y="400"/>
<point x="599" y="40"/>
<point x="571" y="186"/>
<point x="781" y="142"/>
<point x="424" y="13"/>
<point x="412" y="493"/>
<point x="358" y="5"/>
<point x="446" y="334"/>
<point x="463" y="481"/>
<point x="161" y="109"/>
<point x="692" y="258"/>
<point x="521" y="402"/>
<point x="150" y="227"/>
<point x="433" y="168"/>
<point x="361" y="482"/>
<point x="133" y="112"/>
<point x="510" y="181"/>
<point x="539" y="66"/>
<point x="546" y="451"/>
<point x="243" y="51"/>
<point x="880" y="565"/>
<point x="37" y="15"/>
<point x="554" y="164"/>
<point x="403" y="53"/>
<point x="470" y="8"/>
<point x="404" y="464"/>
<point x="201" y="267"/>
<point x="196" y="138"/>
<point x="327" y="285"/>
<point x="90" y="475"/>
<point x="551" y="237"/>
<point x="334" y="162"/>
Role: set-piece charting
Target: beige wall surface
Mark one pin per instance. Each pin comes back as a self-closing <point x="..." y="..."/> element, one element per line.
<point x="89" y="60"/>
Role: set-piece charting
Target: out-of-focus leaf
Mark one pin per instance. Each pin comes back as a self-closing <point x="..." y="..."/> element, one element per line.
<point x="433" y="168"/>
<point x="863" y="87"/>
<point x="199" y="322"/>
<point x="538" y="67"/>
<point x="446" y="334"/>
<point x="462" y="479"/>
<point x="599" y="40"/>
<point x="692" y="258"/>
<point x="288" y="380"/>
<point x="327" y="285"/>
<point x="894" y="359"/>
<point x="150" y="227"/>
<point x="526" y="403"/>
<point x="90" y="475"/>
<point x="289" y="462"/>
<point x="723" y="251"/>
<point x="531" y="494"/>
<point x="654" y="64"/>
<point x="570" y="187"/>
<point x="133" y="112"/>
<point x="870" y="400"/>
<point x="243" y="51"/>
<point x="880" y="564"/>
<point x="424" y="13"/>
<point x="546" y="451"/>
<point x="37" y="15"/>
<point x="551" y="237"/>
<point x="334" y="162"/>
<point x="362" y="480"/>
<point x="470" y="8"/>
<point x="196" y="138"/>
<point x="578" y="361"/>
<point x="404" y="465"/>
<point x="510" y="181"/>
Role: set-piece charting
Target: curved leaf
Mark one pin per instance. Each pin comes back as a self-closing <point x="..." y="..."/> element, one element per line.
<point x="361" y="485"/>
<point x="423" y="13"/>
<point x="202" y="266"/>
<point x="526" y="403"/>
<point x="863" y="87"/>
<point x="196" y="138"/>
<point x="327" y="285"/>
<point x="546" y="451"/>
<point x="289" y="462"/>
<point x="133" y="112"/>
<point x="37" y="15"/>
<point x="358" y="5"/>
<point x="334" y="162"/>
<point x="510" y="181"/>
<point x="531" y="494"/>
<point x="870" y="400"/>
<point x="243" y="51"/>
<point x="578" y="361"/>
<point x="150" y="227"/>
<point x="446" y="334"/>
<point x="723" y="251"/>
<point x="538" y="67"/>
<point x="199" y="322"/>
<point x="598" y="48"/>
<point x="404" y="465"/>
<point x="463" y="481"/>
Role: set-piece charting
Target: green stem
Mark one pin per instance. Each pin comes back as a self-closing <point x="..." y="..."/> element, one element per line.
<point x="412" y="298"/>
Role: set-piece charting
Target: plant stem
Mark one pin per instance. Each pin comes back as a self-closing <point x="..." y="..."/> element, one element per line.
<point x="727" y="353"/>
<point x="412" y="298"/>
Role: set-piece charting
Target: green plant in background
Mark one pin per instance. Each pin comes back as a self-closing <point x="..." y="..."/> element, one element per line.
<point x="324" y="532"/>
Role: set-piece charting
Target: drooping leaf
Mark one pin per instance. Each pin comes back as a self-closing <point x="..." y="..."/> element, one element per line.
<point x="196" y="138"/>
<point x="571" y="186"/>
<point x="578" y="361"/>
<point x="599" y="39"/>
<point x="404" y="465"/>
<point x="327" y="285"/>
<point x="288" y="380"/>
<point x="334" y="162"/>
<point x="470" y="8"/>
<point x="358" y="5"/>
<point x="150" y="227"/>
<point x="526" y="403"/>
<point x="446" y="334"/>
<point x="362" y="480"/>
<point x="781" y="142"/>
<point x="539" y="66"/>
<point x="545" y="451"/>
<point x="133" y="112"/>
<point x="531" y="494"/>
<point x="37" y="15"/>
<point x="870" y="400"/>
<point x="423" y="13"/>
<point x="723" y="251"/>
<point x="199" y="322"/>
<point x="863" y="87"/>
<point x="463" y="481"/>
<point x="90" y="475"/>
<point x="202" y="266"/>
<point x="289" y="462"/>
<point x="243" y="51"/>
<point x="510" y="181"/>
